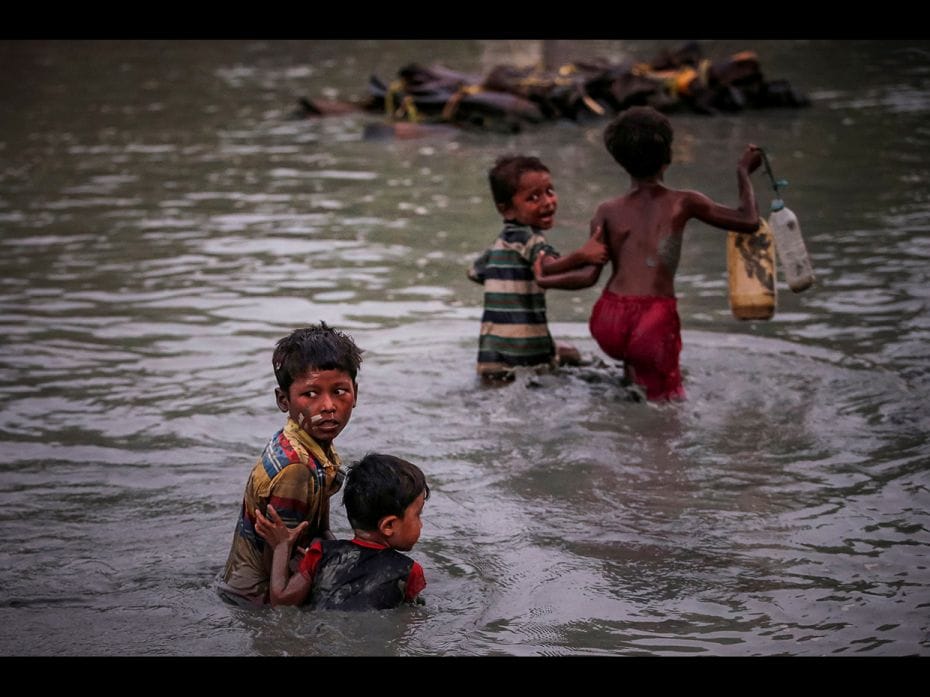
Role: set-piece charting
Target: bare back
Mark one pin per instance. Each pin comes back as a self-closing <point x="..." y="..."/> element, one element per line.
<point x="643" y="230"/>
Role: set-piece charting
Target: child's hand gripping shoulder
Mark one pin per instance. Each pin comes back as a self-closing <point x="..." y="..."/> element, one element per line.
<point x="284" y="588"/>
<point x="273" y="530"/>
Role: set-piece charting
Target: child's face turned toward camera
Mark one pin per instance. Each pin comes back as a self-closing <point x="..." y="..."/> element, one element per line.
<point x="534" y="203"/>
<point x="320" y="401"/>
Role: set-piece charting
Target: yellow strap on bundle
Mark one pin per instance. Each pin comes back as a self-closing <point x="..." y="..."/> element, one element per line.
<point x="591" y="104"/>
<point x="668" y="78"/>
<point x="681" y="82"/>
<point x="533" y="80"/>
<point x="410" y="109"/>
<point x="448" y="111"/>
<point x="704" y="72"/>
<point x="395" y="87"/>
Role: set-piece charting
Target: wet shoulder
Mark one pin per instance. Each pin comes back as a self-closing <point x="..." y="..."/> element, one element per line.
<point x="279" y="453"/>
<point x="606" y="208"/>
<point x="522" y="243"/>
<point x="688" y="201"/>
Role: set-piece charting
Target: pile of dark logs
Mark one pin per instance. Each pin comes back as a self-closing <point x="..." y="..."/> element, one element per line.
<point x="509" y="99"/>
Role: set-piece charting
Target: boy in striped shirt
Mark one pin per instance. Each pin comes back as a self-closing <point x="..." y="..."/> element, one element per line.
<point x="514" y="331"/>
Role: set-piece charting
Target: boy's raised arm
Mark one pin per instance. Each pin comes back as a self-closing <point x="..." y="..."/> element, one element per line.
<point x="742" y="219"/>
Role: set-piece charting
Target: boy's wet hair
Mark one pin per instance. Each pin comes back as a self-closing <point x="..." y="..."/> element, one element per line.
<point x="504" y="176"/>
<point x="378" y="486"/>
<point x="319" y="347"/>
<point x="640" y="139"/>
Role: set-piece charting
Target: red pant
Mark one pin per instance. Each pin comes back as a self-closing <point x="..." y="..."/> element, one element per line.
<point x="645" y="333"/>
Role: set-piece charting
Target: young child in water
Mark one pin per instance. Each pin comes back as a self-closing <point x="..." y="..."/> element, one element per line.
<point x="636" y="318"/>
<point x="384" y="498"/>
<point x="514" y="330"/>
<point x="299" y="468"/>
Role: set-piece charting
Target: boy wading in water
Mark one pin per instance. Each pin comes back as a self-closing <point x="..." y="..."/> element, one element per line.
<point x="514" y="329"/>
<point x="636" y="318"/>
<point x="299" y="468"/>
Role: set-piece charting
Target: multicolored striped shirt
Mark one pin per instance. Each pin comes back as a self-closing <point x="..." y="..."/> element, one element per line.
<point x="514" y="331"/>
<point x="295" y="475"/>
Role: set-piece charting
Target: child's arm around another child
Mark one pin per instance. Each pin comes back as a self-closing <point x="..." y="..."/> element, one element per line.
<point x="579" y="269"/>
<point x="384" y="498"/>
<point x="285" y="588"/>
<point x="636" y="319"/>
<point x="744" y="218"/>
